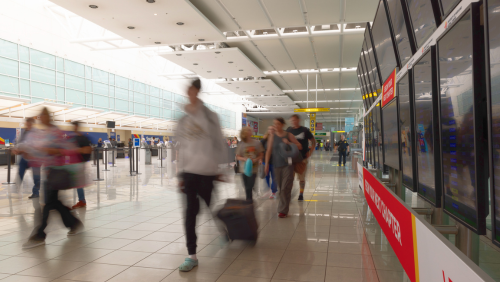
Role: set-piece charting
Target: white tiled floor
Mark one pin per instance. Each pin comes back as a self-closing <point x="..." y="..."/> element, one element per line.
<point x="134" y="232"/>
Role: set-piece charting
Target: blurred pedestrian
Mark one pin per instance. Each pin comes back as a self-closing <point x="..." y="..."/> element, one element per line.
<point x="24" y="163"/>
<point x="304" y="136"/>
<point x="201" y="150"/>
<point x="249" y="149"/>
<point x="282" y="166"/>
<point x="49" y="148"/>
<point x="84" y="143"/>
<point x="99" y="143"/>
<point x="271" y="182"/>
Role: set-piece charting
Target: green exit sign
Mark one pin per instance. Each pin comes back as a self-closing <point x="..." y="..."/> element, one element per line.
<point x="320" y="134"/>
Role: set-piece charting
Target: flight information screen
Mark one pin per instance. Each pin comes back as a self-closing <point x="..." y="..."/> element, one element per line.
<point x="400" y="31"/>
<point x="391" y="134"/>
<point x="383" y="43"/>
<point x="422" y="19"/>
<point x="457" y="121"/>
<point x="424" y="134"/>
<point x="371" y="56"/>
<point x="494" y="39"/>
<point x="448" y="6"/>
<point x="406" y="131"/>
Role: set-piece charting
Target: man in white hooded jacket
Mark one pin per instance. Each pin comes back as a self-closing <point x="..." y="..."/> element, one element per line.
<point x="200" y="153"/>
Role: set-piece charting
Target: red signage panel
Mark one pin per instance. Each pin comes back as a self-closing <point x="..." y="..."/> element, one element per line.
<point x="389" y="89"/>
<point x="394" y="219"/>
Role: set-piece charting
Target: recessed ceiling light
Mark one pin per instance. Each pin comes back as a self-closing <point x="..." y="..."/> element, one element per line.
<point x="155" y="14"/>
<point x="178" y="54"/>
<point x="195" y="64"/>
<point x="230" y="62"/>
<point x="256" y="82"/>
<point x="209" y="71"/>
<point x="180" y="23"/>
<point x="201" y="39"/>
<point x="217" y="52"/>
<point x="93" y="6"/>
<point x="157" y="42"/>
<point x="244" y="91"/>
<point x="237" y="87"/>
<point x="262" y="86"/>
<point x="130" y="27"/>
<point x="241" y="70"/>
<point x="229" y="83"/>
<point x="151" y="1"/>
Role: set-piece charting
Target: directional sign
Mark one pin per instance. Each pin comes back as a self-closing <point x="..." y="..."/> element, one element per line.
<point x="312" y="123"/>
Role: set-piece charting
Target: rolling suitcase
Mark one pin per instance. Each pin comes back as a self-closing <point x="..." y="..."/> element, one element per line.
<point x="239" y="219"/>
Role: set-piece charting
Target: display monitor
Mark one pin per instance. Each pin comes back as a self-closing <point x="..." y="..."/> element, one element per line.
<point x="406" y="131"/>
<point x="373" y="59"/>
<point x="400" y="30"/>
<point x="422" y="20"/>
<point x="493" y="23"/>
<point x="382" y="40"/>
<point x="110" y="124"/>
<point x="447" y="6"/>
<point x="424" y="129"/>
<point x="391" y="134"/>
<point x="463" y="167"/>
<point x="366" y="81"/>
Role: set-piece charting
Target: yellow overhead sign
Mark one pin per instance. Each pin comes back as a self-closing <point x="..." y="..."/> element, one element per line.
<point x="311" y="110"/>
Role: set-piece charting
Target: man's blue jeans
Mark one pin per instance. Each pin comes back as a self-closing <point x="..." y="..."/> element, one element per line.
<point x="81" y="195"/>
<point x="23" y="166"/>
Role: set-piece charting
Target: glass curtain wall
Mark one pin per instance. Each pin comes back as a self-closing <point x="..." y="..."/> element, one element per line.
<point x="39" y="76"/>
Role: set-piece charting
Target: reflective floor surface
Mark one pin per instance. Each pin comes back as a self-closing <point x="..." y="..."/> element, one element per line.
<point x="134" y="232"/>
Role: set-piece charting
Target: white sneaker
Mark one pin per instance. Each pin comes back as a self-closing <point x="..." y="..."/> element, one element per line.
<point x="75" y="230"/>
<point x="273" y="196"/>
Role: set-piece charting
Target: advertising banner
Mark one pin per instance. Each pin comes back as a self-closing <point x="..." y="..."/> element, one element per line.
<point x="312" y="123"/>
<point x="426" y="256"/>
<point x="389" y="88"/>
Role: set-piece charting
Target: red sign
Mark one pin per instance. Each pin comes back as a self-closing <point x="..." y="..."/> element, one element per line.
<point x="395" y="220"/>
<point x="319" y="126"/>
<point x="389" y="89"/>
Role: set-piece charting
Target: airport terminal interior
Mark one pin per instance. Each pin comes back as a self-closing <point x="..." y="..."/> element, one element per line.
<point x="389" y="166"/>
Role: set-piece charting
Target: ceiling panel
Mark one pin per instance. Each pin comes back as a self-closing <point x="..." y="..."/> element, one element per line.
<point x="323" y="11"/>
<point x="271" y="100"/>
<point x="327" y="51"/>
<point x="286" y="116"/>
<point x="301" y="52"/>
<point x="280" y="82"/>
<point x="351" y="49"/>
<point x="248" y="13"/>
<point x="285" y="13"/>
<point x="216" y="14"/>
<point x="252" y="87"/>
<point x="360" y="10"/>
<point x="253" y="54"/>
<point x="210" y="65"/>
<point x="330" y="80"/>
<point x="297" y="83"/>
<point x="276" y="54"/>
<point x="349" y="79"/>
<point x="149" y="28"/>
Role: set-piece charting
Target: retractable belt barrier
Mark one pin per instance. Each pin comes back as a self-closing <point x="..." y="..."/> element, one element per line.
<point x="9" y="152"/>
<point x="96" y="152"/>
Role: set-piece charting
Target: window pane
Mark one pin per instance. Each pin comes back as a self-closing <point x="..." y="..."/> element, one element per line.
<point x="154" y="111"/>
<point x="167" y="104"/>
<point x="121" y="82"/>
<point x="74" y="68"/>
<point x="178" y="115"/>
<point x="42" y="59"/>
<point x="88" y="85"/>
<point x="60" y="93"/>
<point x="111" y="91"/>
<point x="99" y="75"/>
<point x="9" y="84"/>
<point x="121" y="93"/>
<point x="25" y="70"/>
<point x="88" y="72"/>
<point x="8" y="49"/>
<point x="24" y="54"/>
<point x="25" y="87"/>
<point x="178" y="107"/>
<point x="111" y="103"/>
<point x="154" y="91"/>
<point x="41" y="90"/>
<point x="99" y="88"/>
<point x="167" y="114"/>
<point x="139" y="87"/>
<point x="111" y="79"/>
<point x="139" y="109"/>
<point x="88" y="100"/>
<point x="138" y="97"/>
<point x="167" y="95"/>
<point x="9" y="67"/>
<point x="43" y="75"/>
<point x="60" y="79"/>
<point x="75" y="82"/>
<point x="121" y="105"/>
<point x="101" y="101"/>
<point x="154" y="101"/>
<point x="60" y="64"/>
<point x="75" y="96"/>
